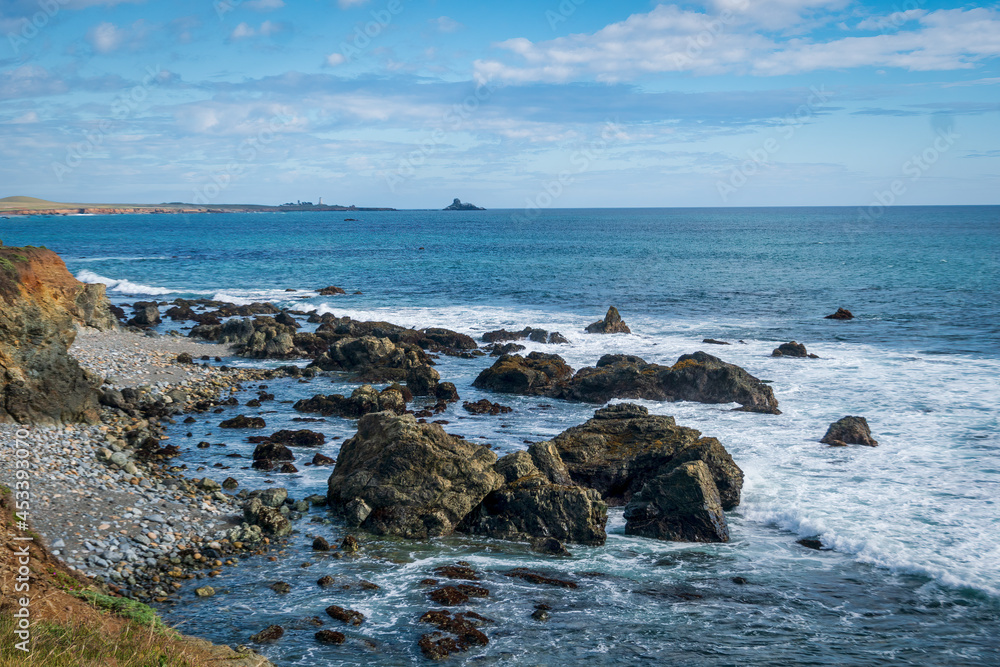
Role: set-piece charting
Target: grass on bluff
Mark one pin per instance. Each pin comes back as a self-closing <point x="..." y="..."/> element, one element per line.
<point x="84" y="645"/>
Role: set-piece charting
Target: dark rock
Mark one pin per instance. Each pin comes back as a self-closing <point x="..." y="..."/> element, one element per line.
<point x="534" y="375"/>
<point x="541" y="615"/>
<point x="812" y="543"/>
<point x="325" y="581"/>
<point x="372" y="359"/>
<point x="281" y="587"/>
<point x="268" y="635"/>
<point x="145" y="314"/>
<point x="300" y="438"/>
<point x="330" y="637"/>
<point x="456" y="572"/>
<point x="458" y="205"/>
<point x="549" y="546"/>
<point x="320" y="544"/>
<point x="449" y="596"/>
<point x="680" y="505"/>
<point x="623" y="447"/>
<point x="500" y="349"/>
<point x="537" y="578"/>
<point x="849" y="431"/>
<point x="364" y="400"/>
<point x="792" y="349"/>
<point x="269" y="519"/>
<point x="348" y="616"/>
<point x="462" y="630"/>
<point x="331" y="291"/>
<point x="243" y="421"/>
<point x="446" y="391"/>
<point x="485" y="407"/>
<point x="739" y="581"/>
<point x="229" y="484"/>
<point x="712" y="341"/>
<point x="287" y="320"/>
<point x="611" y="324"/>
<point x="320" y="460"/>
<point x="698" y="377"/>
<point x="841" y="314"/>
<point x="184" y="358"/>
<point x="417" y="480"/>
<point x="272" y="451"/>
<point x="350" y="545"/>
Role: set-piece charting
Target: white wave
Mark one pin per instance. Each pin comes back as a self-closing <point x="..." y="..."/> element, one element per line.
<point x="122" y="286"/>
<point x="279" y="297"/>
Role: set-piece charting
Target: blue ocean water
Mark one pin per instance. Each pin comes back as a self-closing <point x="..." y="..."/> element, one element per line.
<point x="912" y="570"/>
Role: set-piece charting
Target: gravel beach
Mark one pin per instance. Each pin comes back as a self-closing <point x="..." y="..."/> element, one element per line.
<point x="139" y="525"/>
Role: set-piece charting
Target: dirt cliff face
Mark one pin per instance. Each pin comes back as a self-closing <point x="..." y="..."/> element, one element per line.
<point x="40" y="305"/>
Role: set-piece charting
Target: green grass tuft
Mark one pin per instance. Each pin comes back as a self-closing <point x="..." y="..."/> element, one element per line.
<point x="133" y="610"/>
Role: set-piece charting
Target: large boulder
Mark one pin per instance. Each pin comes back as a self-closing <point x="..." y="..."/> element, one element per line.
<point x="399" y="477"/>
<point x="528" y="333"/>
<point x="539" y="501"/>
<point x="363" y="400"/>
<point x="537" y="374"/>
<point x="40" y="301"/>
<point x="849" y="431"/>
<point x="372" y="359"/>
<point x="145" y="314"/>
<point x="698" y="377"/>
<point x="269" y="519"/>
<point x="259" y="338"/>
<point x="841" y="314"/>
<point x="611" y="324"/>
<point x="680" y="505"/>
<point x="623" y="447"/>
<point x="792" y="349"/>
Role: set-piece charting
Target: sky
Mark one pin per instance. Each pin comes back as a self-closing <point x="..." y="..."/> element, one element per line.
<point x="516" y="104"/>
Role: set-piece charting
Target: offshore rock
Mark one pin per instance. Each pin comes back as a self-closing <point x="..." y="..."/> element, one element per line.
<point x="623" y="447"/>
<point x="372" y="359"/>
<point x="40" y="301"/>
<point x="681" y="505"/>
<point x="539" y="500"/>
<point x="417" y="480"/>
<point x="528" y="333"/>
<point x="363" y="400"/>
<point x="792" y="349"/>
<point x="696" y="377"/>
<point x="537" y="374"/>
<point x="458" y="205"/>
<point x="841" y="314"/>
<point x="611" y="324"/>
<point x="849" y="431"/>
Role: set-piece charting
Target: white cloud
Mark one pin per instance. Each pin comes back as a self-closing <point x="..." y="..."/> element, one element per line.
<point x="268" y="28"/>
<point x="671" y="39"/>
<point x="335" y="59"/>
<point x="242" y="31"/>
<point x="446" y="24"/>
<point x="25" y="119"/>
<point x="105" y="37"/>
<point x="893" y="21"/>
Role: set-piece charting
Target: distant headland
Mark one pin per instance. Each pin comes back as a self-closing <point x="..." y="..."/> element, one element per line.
<point x="34" y="206"/>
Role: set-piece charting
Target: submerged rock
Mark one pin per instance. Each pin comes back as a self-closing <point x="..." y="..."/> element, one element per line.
<point x="485" y="407"/>
<point x="611" y="324"/>
<point x="682" y="505"/>
<point x="416" y="480"/>
<point x="849" y="431"/>
<point x="242" y="421"/>
<point x="348" y="616"/>
<point x="268" y="635"/>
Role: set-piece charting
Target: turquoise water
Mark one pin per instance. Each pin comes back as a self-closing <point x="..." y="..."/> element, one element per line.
<point x="912" y="570"/>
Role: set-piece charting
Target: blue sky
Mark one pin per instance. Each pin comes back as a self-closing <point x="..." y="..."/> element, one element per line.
<point x="560" y="103"/>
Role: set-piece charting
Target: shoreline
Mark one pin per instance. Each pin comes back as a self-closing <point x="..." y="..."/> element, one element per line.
<point x="114" y="209"/>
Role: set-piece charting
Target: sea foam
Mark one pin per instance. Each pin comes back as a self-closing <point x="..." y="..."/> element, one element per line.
<point x="122" y="286"/>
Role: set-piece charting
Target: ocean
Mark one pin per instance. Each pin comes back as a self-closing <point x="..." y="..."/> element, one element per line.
<point x="910" y="570"/>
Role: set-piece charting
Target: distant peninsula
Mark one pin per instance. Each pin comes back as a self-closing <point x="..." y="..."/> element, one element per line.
<point x="34" y="206"/>
<point x="458" y="205"/>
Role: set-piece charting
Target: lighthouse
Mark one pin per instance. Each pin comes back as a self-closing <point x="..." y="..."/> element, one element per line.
<point x="320" y="201"/>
